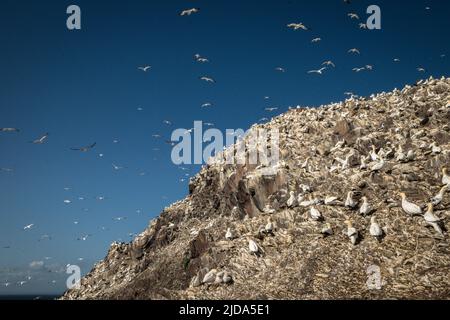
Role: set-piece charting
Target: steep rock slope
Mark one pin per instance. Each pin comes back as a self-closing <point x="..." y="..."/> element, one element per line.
<point x="324" y="152"/>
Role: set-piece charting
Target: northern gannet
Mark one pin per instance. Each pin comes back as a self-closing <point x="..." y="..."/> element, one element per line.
<point x="188" y="12"/>
<point x="269" y="226"/>
<point x="84" y="149"/>
<point x="420" y="69"/>
<point x="353" y="16"/>
<point x="9" y="130"/>
<point x="354" y="50"/>
<point x="435" y="149"/>
<point x="445" y="177"/>
<point x="437" y="199"/>
<point x="362" y="26"/>
<point x="375" y="229"/>
<point x="329" y="63"/>
<point x="326" y="230"/>
<point x="349" y="202"/>
<point x="432" y="219"/>
<point x="207" y="79"/>
<point x="373" y="154"/>
<point x="352" y="233"/>
<point x="363" y="164"/>
<point x="315" y="214"/>
<point x="253" y="247"/>
<point x="292" y="201"/>
<point x="319" y="71"/>
<point x="377" y="166"/>
<point x="280" y="69"/>
<point x="210" y="277"/>
<point x="268" y="209"/>
<point x="330" y="200"/>
<point x="40" y="140"/>
<point x="271" y="109"/>
<point x="316" y="40"/>
<point x="409" y="207"/>
<point x="28" y="227"/>
<point x="144" y="68"/>
<point x="297" y="26"/>
<point x="365" y="207"/>
<point x="229" y="235"/>
<point x="227" y="278"/>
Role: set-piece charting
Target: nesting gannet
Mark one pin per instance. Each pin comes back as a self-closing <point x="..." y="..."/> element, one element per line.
<point x="144" y="68"/>
<point x="326" y="230"/>
<point x="409" y="207"/>
<point x="9" y="130"/>
<point x="375" y="229"/>
<point x="210" y="277"/>
<point x="292" y="201"/>
<point x="329" y="63"/>
<point x="297" y="26"/>
<point x="253" y="247"/>
<point x="352" y="233"/>
<point x="377" y="166"/>
<point x="435" y="149"/>
<point x="432" y="219"/>
<point x="330" y="200"/>
<point x="353" y="16"/>
<point x="40" y="140"/>
<point x="207" y="79"/>
<point x="268" y="209"/>
<point x="365" y="207"/>
<point x="269" y="226"/>
<point x="410" y="156"/>
<point x="354" y="50"/>
<point x="188" y="12"/>
<point x="227" y="278"/>
<point x="349" y="202"/>
<point x="445" y="177"/>
<point x="319" y="71"/>
<point x="437" y="199"/>
<point x="315" y="214"/>
<point x="401" y="156"/>
<point x="229" y="235"/>
<point x="373" y="154"/>
<point x="363" y="164"/>
<point x="85" y="149"/>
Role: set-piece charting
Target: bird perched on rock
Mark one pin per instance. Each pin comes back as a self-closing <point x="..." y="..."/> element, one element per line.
<point x="315" y="214"/>
<point x="326" y="230"/>
<point x="377" y="166"/>
<point x="350" y="202"/>
<point x="269" y="226"/>
<point x="210" y="277"/>
<point x="365" y="208"/>
<point x="229" y="234"/>
<point x="373" y="153"/>
<point x="445" y="177"/>
<point x="253" y="247"/>
<point x="437" y="199"/>
<point x="292" y="201"/>
<point x="330" y="200"/>
<point x="432" y="220"/>
<point x="435" y="149"/>
<point x="352" y="233"/>
<point x="227" y="278"/>
<point x="409" y="207"/>
<point x="375" y="229"/>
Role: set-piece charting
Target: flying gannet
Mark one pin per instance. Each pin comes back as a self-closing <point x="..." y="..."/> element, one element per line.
<point x="297" y="26"/>
<point x="329" y="63"/>
<point x="353" y="16"/>
<point x="354" y="50"/>
<point x="28" y="227"/>
<point x="315" y="40"/>
<point x="40" y="140"/>
<point x="207" y="79"/>
<point x="85" y="149"/>
<point x="9" y="130"/>
<point x="188" y="12"/>
<point x="319" y="71"/>
<point x="144" y="68"/>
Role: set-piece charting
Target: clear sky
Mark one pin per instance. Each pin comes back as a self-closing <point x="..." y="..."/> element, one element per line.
<point x="84" y="87"/>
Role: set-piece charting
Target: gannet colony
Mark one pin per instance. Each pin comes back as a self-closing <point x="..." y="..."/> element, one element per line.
<point x="358" y="207"/>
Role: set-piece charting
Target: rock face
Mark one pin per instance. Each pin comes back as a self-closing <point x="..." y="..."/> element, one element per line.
<point x="183" y="254"/>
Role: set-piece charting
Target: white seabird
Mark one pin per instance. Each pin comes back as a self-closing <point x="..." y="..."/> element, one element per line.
<point x="375" y="229"/>
<point x="253" y="247"/>
<point x="229" y="235"/>
<point x="365" y="207"/>
<point x="433" y="220"/>
<point x="409" y="207"/>
<point x="326" y="230"/>
<point x="188" y="12"/>
<point x="207" y="79"/>
<point x="352" y="233"/>
<point x="292" y="201"/>
<point x="40" y="140"/>
<point x="297" y="26"/>
<point x="437" y="199"/>
<point x="269" y="226"/>
<point x="445" y="177"/>
<point x="315" y="214"/>
<point x="349" y="202"/>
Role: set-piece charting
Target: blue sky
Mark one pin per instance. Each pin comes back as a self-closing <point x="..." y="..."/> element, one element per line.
<point x="84" y="87"/>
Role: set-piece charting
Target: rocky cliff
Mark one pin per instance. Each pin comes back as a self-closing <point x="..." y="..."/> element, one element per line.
<point x="309" y="222"/>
